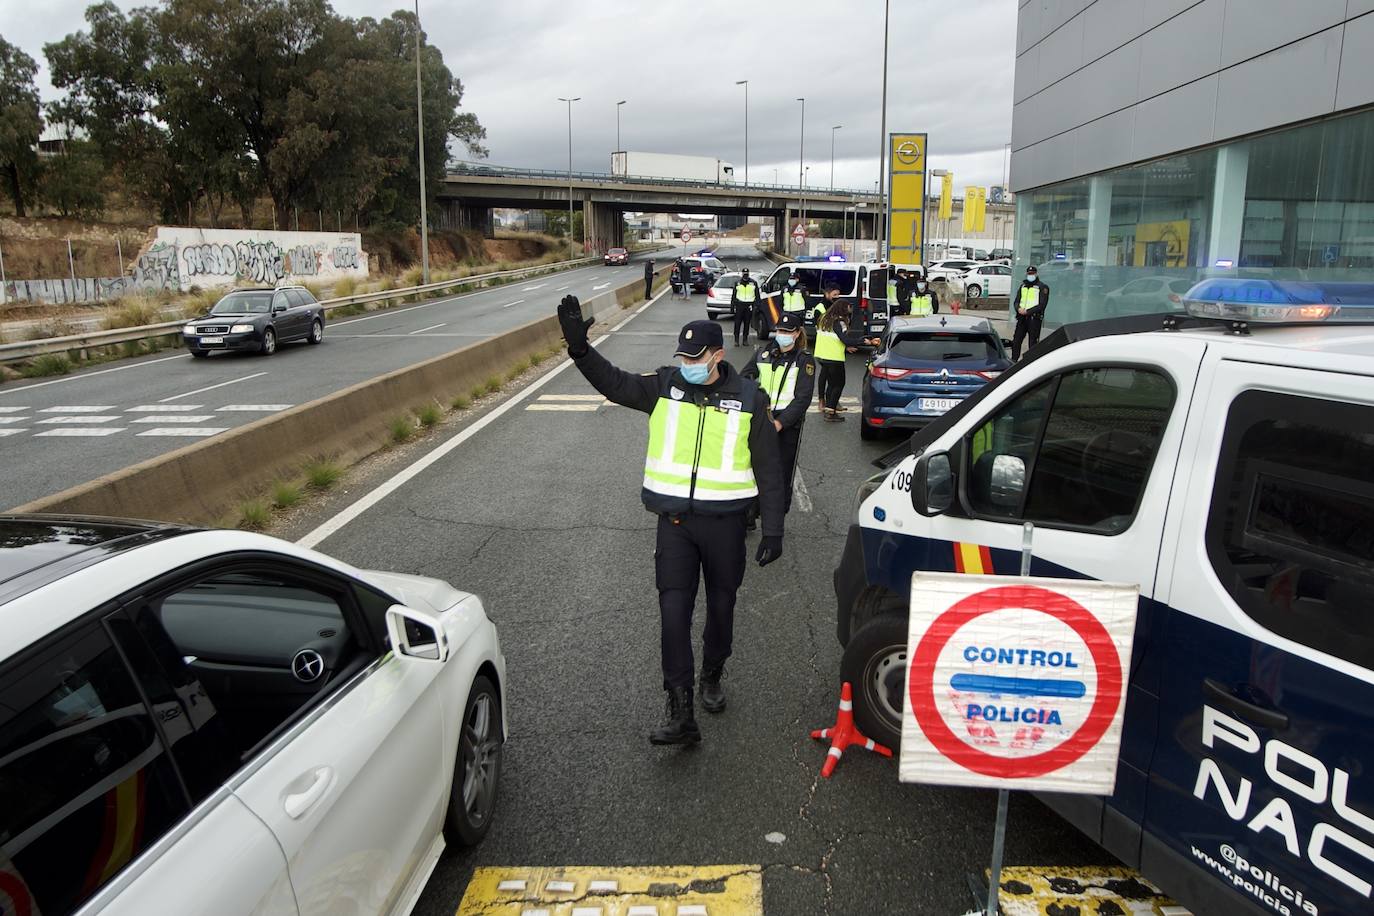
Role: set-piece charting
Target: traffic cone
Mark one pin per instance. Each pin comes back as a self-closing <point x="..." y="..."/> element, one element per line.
<point x="844" y="733"/>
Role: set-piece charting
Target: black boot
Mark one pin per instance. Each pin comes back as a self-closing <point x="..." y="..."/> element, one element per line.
<point x="712" y="693"/>
<point x="681" y="727"/>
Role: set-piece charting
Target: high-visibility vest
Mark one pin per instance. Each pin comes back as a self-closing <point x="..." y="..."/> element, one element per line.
<point x="829" y="347"/>
<point x="779" y="380"/>
<point x="921" y="304"/>
<point x="746" y="292"/>
<point x="699" y="452"/>
<point x="891" y="293"/>
<point x="1029" y="298"/>
<point x="793" y="300"/>
<point x="819" y="312"/>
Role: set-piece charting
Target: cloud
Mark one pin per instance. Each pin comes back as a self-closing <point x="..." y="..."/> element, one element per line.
<point x="950" y="75"/>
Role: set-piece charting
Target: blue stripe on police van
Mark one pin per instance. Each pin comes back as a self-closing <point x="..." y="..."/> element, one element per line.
<point x="1018" y="686"/>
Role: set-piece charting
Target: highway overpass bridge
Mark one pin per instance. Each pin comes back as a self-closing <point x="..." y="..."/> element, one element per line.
<point x="469" y="194"/>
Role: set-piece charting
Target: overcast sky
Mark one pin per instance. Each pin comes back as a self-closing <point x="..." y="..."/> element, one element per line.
<point x="675" y="64"/>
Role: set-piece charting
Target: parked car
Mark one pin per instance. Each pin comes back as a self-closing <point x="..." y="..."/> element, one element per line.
<point x="980" y="281"/>
<point x="941" y="271"/>
<point x="703" y="271"/>
<point x="1147" y="294"/>
<point x="718" y="296"/>
<point x="925" y="367"/>
<point x="616" y="256"/>
<point x="199" y="720"/>
<point x="1001" y="254"/>
<point x="257" y="321"/>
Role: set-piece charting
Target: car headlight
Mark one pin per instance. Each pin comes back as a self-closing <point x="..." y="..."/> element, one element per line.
<point x="241" y="329"/>
<point x="189" y="329"/>
<point x="868" y="488"/>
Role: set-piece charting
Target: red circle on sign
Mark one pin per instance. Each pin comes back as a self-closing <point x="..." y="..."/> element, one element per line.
<point x="1063" y="609"/>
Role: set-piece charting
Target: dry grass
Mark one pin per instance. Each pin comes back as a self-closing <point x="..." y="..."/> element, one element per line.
<point x="322" y="474"/>
<point x="254" y="515"/>
<point x="461" y="402"/>
<point x="285" y="495"/>
<point x="346" y="287"/>
<point x="402" y="428"/>
<point x="428" y="414"/>
<point x="132" y="312"/>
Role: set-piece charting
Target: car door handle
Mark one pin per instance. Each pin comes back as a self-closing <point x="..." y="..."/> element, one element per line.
<point x="1260" y="715"/>
<point x="297" y="803"/>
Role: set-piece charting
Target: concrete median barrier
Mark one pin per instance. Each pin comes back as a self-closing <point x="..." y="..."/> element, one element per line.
<point x="203" y="483"/>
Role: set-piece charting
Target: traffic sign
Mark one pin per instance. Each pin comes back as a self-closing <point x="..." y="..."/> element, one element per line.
<point x="1016" y="682"/>
<point x="1330" y="254"/>
<point x="686" y="234"/>
<point x="799" y="233"/>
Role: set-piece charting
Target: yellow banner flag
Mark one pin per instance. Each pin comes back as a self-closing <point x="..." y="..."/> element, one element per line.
<point x="970" y="208"/>
<point x="980" y="213"/>
<point x="947" y="196"/>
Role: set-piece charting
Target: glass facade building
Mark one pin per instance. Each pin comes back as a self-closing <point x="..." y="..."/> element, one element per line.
<point x="1295" y="203"/>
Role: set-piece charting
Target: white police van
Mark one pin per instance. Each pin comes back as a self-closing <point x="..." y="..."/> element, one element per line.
<point x="1225" y="462"/>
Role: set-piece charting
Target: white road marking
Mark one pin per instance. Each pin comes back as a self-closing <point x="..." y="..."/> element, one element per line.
<point x="406" y="474"/>
<point x="375" y="336"/>
<point x="184" y="431"/>
<point x="11" y="432"/>
<point x="86" y="375"/>
<point x="560" y="887"/>
<point x="232" y="381"/>
<point x="528" y="288"/>
<point x="561" y="288"/>
<point x="162" y="408"/>
<point x="433" y="327"/>
<point x="800" y="493"/>
<point x="570" y="397"/>
<point x="80" y="418"/>
<point x="511" y="886"/>
<point x="254" y="408"/>
<point x="13" y="409"/>
<point x="604" y="886"/>
<point x="14" y="419"/>
<point x="573" y="407"/>
<point x="602" y="286"/>
<point x="74" y="409"/>
<point x="83" y="431"/>
<point x="164" y="418"/>
<point x="509" y="304"/>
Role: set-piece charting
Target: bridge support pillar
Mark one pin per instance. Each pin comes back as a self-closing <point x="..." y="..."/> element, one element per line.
<point x="601" y="226"/>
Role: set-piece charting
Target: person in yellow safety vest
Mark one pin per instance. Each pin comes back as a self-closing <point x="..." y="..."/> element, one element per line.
<point x="898" y="292"/>
<point x="742" y="299"/>
<point x="1030" y="300"/>
<point x="794" y="296"/>
<point x="787" y="374"/>
<point x="832" y="292"/>
<point x="833" y="341"/>
<point x="924" y="302"/>
<point x="712" y="453"/>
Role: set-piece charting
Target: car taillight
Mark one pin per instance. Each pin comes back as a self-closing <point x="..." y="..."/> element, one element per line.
<point x="892" y="375"/>
<point x="710" y="294"/>
<point x="989" y="375"/>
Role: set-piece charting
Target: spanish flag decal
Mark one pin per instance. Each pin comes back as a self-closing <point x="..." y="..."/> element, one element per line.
<point x="975" y="559"/>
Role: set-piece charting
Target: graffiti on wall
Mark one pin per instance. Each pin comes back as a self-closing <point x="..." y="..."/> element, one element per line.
<point x="63" y="292"/>
<point x="211" y="259"/>
<point x="345" y="257"/>
<point x="259" y="262"/>
<point x="303" y="261"/>
<point x="156" y="268"/>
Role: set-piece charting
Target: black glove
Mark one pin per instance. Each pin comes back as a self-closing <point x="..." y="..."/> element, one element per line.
<point x="770" y="548"/>
<point x="574" y="325"/>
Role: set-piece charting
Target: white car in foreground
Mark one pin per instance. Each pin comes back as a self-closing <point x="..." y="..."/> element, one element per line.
<point x="219" y="722"/>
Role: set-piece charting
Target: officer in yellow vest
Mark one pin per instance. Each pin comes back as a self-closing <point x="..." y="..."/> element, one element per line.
<point x="1030" y="299"/>
<point x="787" y="374"/>
<point x="794" y="296"/>
<point x="712" y="452"/>
<point x="924" y="302"/>
<point x="742" y="299"/>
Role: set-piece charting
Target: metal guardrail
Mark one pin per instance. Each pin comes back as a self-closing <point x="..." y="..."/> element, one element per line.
<point x="16" y="352"/>
<point x="501" y="171"/>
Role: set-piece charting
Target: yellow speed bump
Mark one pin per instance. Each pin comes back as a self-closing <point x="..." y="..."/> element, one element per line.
<point x="1049" y="891"/>
<point x="705" y="890"/>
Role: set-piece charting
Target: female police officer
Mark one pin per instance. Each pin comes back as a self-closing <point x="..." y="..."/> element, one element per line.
<point x="712" y="452"/>
<point x="787" y="374"/>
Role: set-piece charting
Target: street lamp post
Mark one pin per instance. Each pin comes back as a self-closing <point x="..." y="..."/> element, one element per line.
<point x="801" y="163"/>
<point x="745" y="84"/>
<point x="420" y="132"/>
<point x="832" y="154"/>
<point x="570" y="181"/>
<point x="617" y="124"/>
<point x="880" y="231"/>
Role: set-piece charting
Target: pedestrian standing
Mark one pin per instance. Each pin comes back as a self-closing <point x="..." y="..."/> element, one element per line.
<point x="648" y="277"/>
<point x="1031" y="299"/>
<point x="794" y="296"/>
<point x="712" y="452"/>
<point x="833" y="340"/>
<point x="899" y="293"/>
<point x="787" y="374"/>
<point x="742" y="300"/>
<point x="923" y="300"/>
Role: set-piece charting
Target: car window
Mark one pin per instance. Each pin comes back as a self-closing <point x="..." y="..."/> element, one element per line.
<point x="714" y="264"/>
<point x="818" y="279"/>
<point x="85" y="781"/>
<point x="777" y="279"/>
<point x="243" y="304"/>
<point x="295" y="297"/>
<point x="944" y="346"/>
<point x="1290" y="532"/>
<point x="1087" y="463"/>
<point x="726" y="282"/>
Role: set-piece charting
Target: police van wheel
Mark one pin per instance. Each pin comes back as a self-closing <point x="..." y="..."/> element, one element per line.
<point x="874" y="664"/>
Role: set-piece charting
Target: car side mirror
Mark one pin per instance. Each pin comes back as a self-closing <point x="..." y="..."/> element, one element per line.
<point x="278" y="309"/>
<point x="932" y="484"/>
<point x="1008" y="482"/>
<point x="416" y="634"/>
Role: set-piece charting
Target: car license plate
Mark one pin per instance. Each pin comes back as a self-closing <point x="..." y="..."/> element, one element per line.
<point x="940" y="404"/>
<point x="211" y="340"/>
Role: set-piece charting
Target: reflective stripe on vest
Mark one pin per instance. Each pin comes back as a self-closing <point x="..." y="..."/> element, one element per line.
<point x="779" y="382"/>
<point x="891" y="291"/>
<point x="722" y="466"/>
<point x="1030" y="297"/>
<point x="829" y="347"/>
<point x="745" y="292"/>
<point x="818" y="312"/>
<point x="921" y="305"/>
<point x="793" y="301"/>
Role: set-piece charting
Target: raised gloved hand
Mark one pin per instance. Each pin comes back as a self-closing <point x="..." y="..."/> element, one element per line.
<point x="574" y="325"/>
<point x="770" y="548"/>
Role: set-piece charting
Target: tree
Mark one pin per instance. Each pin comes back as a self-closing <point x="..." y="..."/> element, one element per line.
<point x="20" y="123"/>
<point x="71" y="181"/>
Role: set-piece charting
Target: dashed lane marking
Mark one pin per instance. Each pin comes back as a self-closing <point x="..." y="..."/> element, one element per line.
<point x="77" y="418"/>
<point x="1037" y="891"/>
<point x="253" y="408"/>
<point x="199" y="431"/>
<point x="162" y="408"/>
<point x="602" y="286"/>
<point x="164" y="418"/>
<point x="82" y="431"/>
<point x="800" y="493"/>
<point x="11" y="432"/>
<point x="565" y="407"/>
<point x="75" y="409"/>
<point x="14" y="419"/>
<point x="433" y="327"/>
<point x="540" y="286"/>
<point x="571" y="397"/>
<point x="708" y="890"/>
<point x="561" y="288"/>
<point x="232" y="381"/>
<point x="13" y="409"/>
<point x="509" y="304"/>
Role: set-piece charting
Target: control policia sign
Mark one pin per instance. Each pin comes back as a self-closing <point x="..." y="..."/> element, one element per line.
<point x="1016" y="682"/>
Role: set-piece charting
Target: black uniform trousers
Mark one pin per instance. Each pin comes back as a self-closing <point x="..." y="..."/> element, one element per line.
<point x="830" y="382"/>
<point x="648" y="286"/>
<point x="692" y="547"/>
<point x="789" y="442"/>
<point x="744" y="317"/>
<point x="1027" y="329"/>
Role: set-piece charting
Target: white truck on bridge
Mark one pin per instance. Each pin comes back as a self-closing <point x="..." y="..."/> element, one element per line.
<point x="668" y="165"/>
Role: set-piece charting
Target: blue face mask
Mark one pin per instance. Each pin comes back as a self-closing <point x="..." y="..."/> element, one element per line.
<point x="695" y="373"/>
<point x="784" y="340"/>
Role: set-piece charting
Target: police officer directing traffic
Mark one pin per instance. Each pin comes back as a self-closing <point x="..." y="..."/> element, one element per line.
<point x="648" y="277"/>
<point x="787" y="374"/>
<point x="923" y="301"/>
<point x="742" y="299"/>
<point x="1031" y="298"/>
<point x="712" y="452"/>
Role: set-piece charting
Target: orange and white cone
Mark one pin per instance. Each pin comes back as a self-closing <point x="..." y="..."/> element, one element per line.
<point x="845" y="733"/>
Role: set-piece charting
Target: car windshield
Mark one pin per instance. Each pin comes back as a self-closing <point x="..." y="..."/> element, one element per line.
<point x="936" y="347"/>
<point x="617" y="251"/>
<point x="726" y="282"/>
<point x="714" y="264"/>
<point x="244" y="303"/>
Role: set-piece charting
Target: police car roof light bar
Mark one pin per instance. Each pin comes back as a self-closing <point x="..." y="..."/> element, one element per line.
<point x="1261" y="301"/>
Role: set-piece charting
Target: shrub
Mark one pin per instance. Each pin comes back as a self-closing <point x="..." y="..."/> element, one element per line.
<point x="412" y="277"/>
<point x="285" y="495"/>
<point x="254" y="515"/>
<point x="322" y="474"/>
<point x="345" y="287"/>
<point x="478" y="391"/>
<point x="493" y="384"/>
<point x="461" y="402"/>
<point x="537" y="358"/>
<point x="131" y="312"/>
<point x="402" y="429"/>
<point x="48" y="364"/>
<point x="428" y="414"/>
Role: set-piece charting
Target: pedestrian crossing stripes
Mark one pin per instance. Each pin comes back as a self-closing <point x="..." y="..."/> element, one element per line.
<point x="79" y="418"/>
<point x="79" y="409"/>
<point x="254" y="408"/>
<point x="81" y="431"/>
<point x="98" y="421"/>
<point x="164" y="418"/>
<point x="13" y="420"/>
<point x="13" y="409"/>
<point x="184" y="431"/>
<point x="163" y="408"/>
<point x="11" y="432"/>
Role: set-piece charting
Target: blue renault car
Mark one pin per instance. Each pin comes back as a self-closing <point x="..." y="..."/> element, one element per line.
<point x="926" y="366"/>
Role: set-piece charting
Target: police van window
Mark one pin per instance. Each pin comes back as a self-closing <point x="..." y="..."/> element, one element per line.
<point x="85" y="781"/>
<point x="1084" y="464"/>
<point x="1290" y="532"/>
